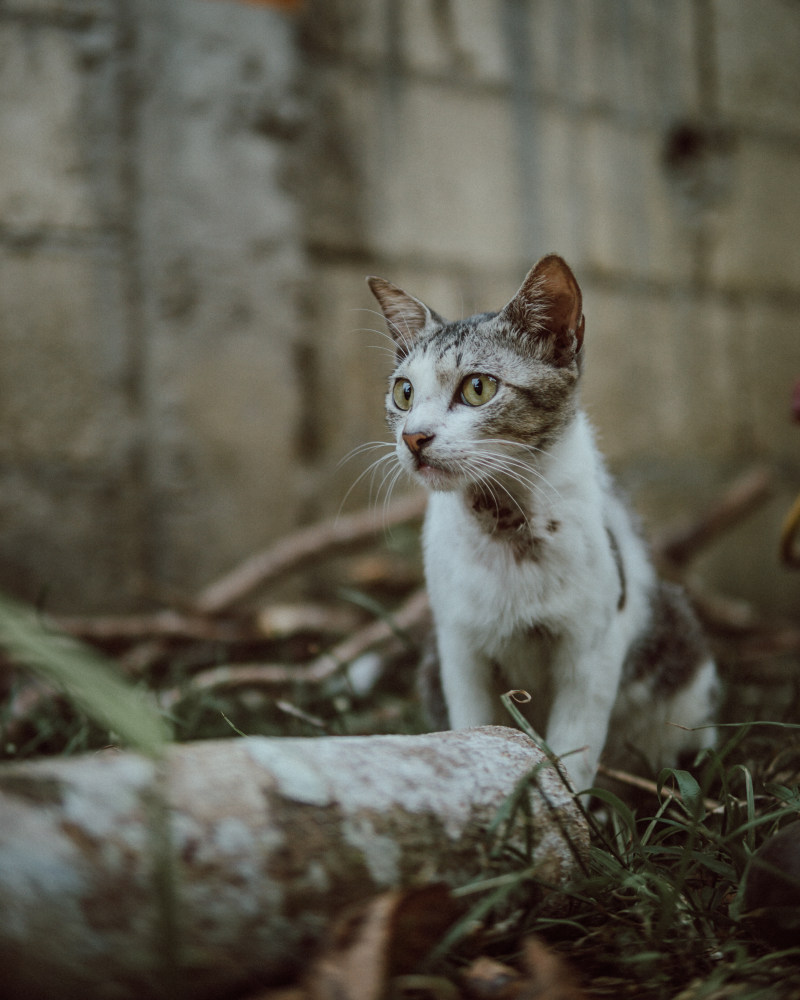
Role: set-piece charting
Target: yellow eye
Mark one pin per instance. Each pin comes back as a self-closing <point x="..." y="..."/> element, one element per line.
<point x="403" y="393"/>
<point x="478" y="389"/>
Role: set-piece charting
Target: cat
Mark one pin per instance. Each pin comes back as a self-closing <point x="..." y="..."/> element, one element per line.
<point x="537" y="573"/>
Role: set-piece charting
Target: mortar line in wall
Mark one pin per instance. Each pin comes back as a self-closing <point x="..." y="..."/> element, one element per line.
<point x="69" y="20"/>
<point x="140" y="464"/>
<point x="576" y="111"/>
<point x="706" y="58"/>
<point x="740" y="346"/>
<point x="524" y="114"/>
<point x="60" y="239"/>
<point x="468" y="87"/>
<point x="624" y="282"/>
<point x="598" y="278"/>
<point x="707" y="90"/>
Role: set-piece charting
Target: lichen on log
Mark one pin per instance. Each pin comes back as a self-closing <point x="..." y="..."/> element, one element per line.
<point x="222" y="864"/>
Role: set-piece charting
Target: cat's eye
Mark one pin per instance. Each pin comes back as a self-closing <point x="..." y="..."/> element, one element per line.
<point x="478" y="389"/>
<point x="403" y="393"/>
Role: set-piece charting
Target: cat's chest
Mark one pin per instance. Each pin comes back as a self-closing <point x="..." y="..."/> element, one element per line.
<point x="527" y="536"/>
<point x="493" y="570"/>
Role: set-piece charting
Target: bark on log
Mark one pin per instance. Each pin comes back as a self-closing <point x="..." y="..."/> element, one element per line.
<point x="222" y="864"/>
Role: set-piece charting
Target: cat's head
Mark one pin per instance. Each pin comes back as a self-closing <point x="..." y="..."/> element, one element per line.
<point x="471" y="400"/>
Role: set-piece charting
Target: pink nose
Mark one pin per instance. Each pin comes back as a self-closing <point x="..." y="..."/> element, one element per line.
<point x="416" y="442"/>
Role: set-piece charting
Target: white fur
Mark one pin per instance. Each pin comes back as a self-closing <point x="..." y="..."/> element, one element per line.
<point x="486" y="604"/>
<point x="534" y="568"/>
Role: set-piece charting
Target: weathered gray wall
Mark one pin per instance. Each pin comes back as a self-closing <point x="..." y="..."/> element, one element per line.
<point x="191" y="193"/>
<point x="149" y="388"/>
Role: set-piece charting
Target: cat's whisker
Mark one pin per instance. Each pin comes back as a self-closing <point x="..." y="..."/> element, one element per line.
<point x="482" y="468"/>
<point x="361" y="449"/>
<point x="486" y="485"/>
<point x="374" y="312"/>
<point x="515" y="469"/>
<point x="509" y="496"/>
<point x="386" y="464"/>
<point x="523" y="446"/>
<point x="392" y="350"/>
<point x="513" y="462"/>
<point x="384" y="350"/>
<point x="407" y="338"/>
<point x="393" y="478"/>
<point x="370" y="329"/>
<point x="371" y="470"/>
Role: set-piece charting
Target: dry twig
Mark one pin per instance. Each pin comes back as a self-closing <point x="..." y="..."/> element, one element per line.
<point x="645" y="785"/>
<point x="313" y="544"/>
<point x="164" y="624"/>
<point x="411" y="616"/>
<point x="746" y="494"/>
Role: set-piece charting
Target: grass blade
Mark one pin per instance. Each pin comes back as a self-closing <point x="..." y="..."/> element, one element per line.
<point x="85" y="677"/>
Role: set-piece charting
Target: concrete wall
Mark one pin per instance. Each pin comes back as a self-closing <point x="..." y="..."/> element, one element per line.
<point x="149" y="381"/>
<point x="191" y="193"/>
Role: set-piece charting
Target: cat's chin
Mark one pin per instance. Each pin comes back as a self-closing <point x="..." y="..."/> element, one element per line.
<point x="440" y="480"/>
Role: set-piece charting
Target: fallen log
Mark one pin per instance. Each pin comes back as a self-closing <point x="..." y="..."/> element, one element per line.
<point x="220" y="865"/>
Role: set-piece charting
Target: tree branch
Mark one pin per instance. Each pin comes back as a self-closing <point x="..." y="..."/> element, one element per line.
<point x="312" y="544"/>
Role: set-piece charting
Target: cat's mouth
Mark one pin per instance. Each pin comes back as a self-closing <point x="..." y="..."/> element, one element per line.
<point x="435" y="477"/>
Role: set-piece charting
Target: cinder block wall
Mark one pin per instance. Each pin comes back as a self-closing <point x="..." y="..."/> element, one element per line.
<point x="150" y="394"/>
<point x="191" y="192"/>
<point x="657" y="146"/>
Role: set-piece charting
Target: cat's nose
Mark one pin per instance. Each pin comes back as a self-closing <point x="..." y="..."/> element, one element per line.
<point x="416" y="442"/>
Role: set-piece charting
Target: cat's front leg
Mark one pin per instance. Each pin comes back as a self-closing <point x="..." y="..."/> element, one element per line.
<point x="586" y="683"/>
<point x="466" y="675"/>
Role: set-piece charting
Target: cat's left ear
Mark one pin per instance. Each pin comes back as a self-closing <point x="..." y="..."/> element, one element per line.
<point x="405" y="316"/>
<point x="549" y="307"/>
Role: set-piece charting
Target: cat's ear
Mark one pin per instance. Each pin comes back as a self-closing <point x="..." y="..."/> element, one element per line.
<point x="549" y="307"/>
<point x="405" y="316"/>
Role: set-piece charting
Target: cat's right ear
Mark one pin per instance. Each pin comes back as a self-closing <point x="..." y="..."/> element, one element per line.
<point x="549" y="308"/>
<point x="406" y="317"/>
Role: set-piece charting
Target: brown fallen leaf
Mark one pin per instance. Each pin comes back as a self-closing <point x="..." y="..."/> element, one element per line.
<point x="544" y="975"/>
<point x="285" y="993"/>
<point x="376" y="941"/>
<point x="488" y="979"/>
<point x="550" y="976"/>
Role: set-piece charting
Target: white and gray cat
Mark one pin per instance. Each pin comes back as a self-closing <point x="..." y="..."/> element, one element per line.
<point x="538" y="578"/>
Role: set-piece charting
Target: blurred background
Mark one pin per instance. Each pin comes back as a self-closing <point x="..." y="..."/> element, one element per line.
<point x="192" y="191"/>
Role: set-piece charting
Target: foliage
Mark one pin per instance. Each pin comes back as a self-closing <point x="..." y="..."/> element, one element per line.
<point x="658" y="912"/>
<point x="86" y="679"/>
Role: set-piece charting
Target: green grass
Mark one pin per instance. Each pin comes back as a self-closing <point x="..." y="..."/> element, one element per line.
<point x="663" y="903"/>
<point x="87" y="680"/>
<point x="658" y="913"/>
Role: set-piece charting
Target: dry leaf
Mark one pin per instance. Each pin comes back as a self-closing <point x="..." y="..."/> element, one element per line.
<point x="285" y="993"/>
<point x="377" y="940"/>
<point x="487" y="979"/>
<point x="549" y="976"/>
<point x="544" y="976"/>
